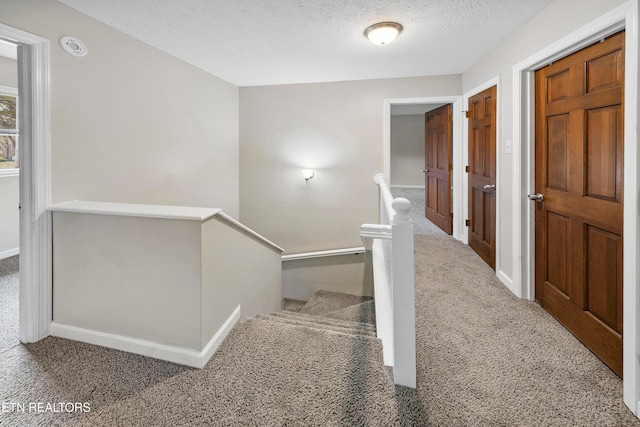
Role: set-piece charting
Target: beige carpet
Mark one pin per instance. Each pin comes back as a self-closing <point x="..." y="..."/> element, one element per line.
<point x="8" y="304"/>
<point x="282" y="369"/>
<point x="485" y="358"/>
<point x="364" y="312"/>
<point x="323" y="302"/>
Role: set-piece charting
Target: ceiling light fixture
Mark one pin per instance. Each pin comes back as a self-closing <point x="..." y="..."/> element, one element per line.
<point x="383" y="32"/>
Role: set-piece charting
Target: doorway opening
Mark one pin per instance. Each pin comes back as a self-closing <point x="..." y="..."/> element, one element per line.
<point x="414" y="147"/>
<point x="407" y="174"/>
<point x="9" y="196"/>
<point x="35" y="308"/>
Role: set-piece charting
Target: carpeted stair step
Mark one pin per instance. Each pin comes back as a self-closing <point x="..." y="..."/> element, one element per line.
<point x="331" y="378"/>
<point x="317" y="326"/>
<point x="323" y="302"/>
<point x="326" y="320"/>
<point x="364" y="312"/>
<point x="294" y="305"/>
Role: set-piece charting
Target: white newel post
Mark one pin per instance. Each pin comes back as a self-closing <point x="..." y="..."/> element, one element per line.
<point x="403" y="295"/>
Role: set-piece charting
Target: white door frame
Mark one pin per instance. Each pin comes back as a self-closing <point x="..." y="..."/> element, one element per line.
<point x="458" y="161"/>
<point x="624" y="16"/>
<point x="35" y="183"/>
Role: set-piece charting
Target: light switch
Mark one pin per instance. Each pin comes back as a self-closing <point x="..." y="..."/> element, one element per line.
<point x="507" y="146"/>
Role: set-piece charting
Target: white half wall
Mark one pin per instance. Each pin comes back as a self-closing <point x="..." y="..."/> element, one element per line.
<point x="166" y="282"/>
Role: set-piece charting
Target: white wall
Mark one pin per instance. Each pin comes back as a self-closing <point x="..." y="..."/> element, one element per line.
<point x="167" y="279"/>
<point x="8" y="72"/>
<point x="333" y="128"/>
<point x="129" y="122"/>
<point x="351" y="274"/>
<point x="560" y="18"/>
<point x="134" y="277"/>
<point x="407" y="150"/>
<point x="9" y="191"/>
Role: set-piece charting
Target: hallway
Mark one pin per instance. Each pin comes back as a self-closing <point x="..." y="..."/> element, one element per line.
<point x="484" y="358"/>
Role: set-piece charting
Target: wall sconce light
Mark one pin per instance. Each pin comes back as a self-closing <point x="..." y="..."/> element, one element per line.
<point x="383" y="32"/>
<point x="307" y="174"/>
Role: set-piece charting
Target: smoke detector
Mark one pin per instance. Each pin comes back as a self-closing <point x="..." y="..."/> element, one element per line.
<point x="73" y="46"/>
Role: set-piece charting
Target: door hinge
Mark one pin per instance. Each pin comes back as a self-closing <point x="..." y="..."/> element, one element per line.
<point x="466" y="114"/>
<point x="451" y="215"/>
<point x="466" y="222"/>
<point x="467" y="169"/>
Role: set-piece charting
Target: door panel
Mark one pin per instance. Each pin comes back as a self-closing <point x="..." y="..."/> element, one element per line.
<point x="482" y="174"/>
<point x="557" y="240"/>
<point x="604" y="153"/>
<point x="579" y="170"/>
<point x="438" y="168"/>
<point x="603" y="249"/>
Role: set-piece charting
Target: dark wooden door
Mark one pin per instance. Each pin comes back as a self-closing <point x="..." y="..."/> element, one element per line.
<point x="579" y="171"/>
<point x="482" y="175"/>
<point x="437" y="180"/>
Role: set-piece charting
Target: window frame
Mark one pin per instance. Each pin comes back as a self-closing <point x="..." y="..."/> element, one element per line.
<point x="11" y="91"/>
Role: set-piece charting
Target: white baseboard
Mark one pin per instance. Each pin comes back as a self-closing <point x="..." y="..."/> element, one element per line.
<point x="219" y="336"/>
<point x="9" y="253"/>
<point x="506" y="280"/>
<point x="179" y="355"/>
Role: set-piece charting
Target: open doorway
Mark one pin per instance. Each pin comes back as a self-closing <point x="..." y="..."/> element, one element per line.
<point x="9" y="197"/>
<point x="35" y="182"/>
<point x="421" y="164"/>
<point x="405" y="158"/>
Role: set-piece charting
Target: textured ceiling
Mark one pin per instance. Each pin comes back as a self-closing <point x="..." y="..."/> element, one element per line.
<point x="264" y="42"/>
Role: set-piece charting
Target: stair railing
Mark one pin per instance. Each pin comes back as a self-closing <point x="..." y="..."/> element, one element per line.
<point x="391" y="246"/>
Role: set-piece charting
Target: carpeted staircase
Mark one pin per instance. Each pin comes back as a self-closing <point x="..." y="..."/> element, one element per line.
<point x="317" y="363"/>
<point x="329" y="311"/>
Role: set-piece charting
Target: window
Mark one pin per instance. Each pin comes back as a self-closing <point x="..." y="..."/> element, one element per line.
<point x="9" y="134"/>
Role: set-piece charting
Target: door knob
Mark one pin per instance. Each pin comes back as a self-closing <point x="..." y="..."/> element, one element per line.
<point x="537" y="197"/>
<point x="489" y="187"/>
<point x="425" y="170"/>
